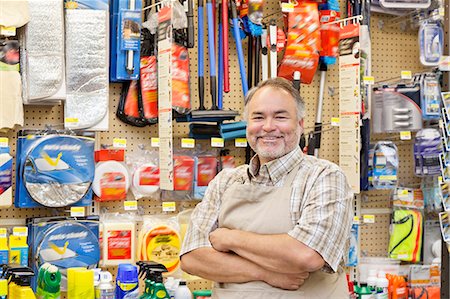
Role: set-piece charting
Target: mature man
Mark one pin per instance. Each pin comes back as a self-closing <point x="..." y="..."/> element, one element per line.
<point x="276" y="228"/>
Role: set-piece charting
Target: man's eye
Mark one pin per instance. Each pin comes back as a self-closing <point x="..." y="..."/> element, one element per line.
<point x="257" y="117"/>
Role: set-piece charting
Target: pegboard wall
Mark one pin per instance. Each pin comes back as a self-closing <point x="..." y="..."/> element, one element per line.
<point x="393" y="50"/>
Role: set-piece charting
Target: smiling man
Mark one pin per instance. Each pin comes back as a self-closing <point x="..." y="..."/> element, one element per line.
<point x="276" y="228"/>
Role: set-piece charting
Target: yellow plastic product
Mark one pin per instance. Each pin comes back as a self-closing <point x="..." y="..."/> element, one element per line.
<point x="24" y="292"/>
<point x="80" y="283"/>
<point x="3" y="287"/>
<point x="3" y="249"/>
<point x="18" y="250"/>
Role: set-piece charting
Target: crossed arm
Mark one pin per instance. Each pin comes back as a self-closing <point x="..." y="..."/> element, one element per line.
<point x="239" y="256"/>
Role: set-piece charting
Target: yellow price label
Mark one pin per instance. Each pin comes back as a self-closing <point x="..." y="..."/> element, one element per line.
<point x="387" y="177"/>
<point x="369" y="218"/>
<point x="369" y="80"/>
<point x="335" y="121"/>
<point x="71" y="120"/>
<point x="20" y="231"/>
<point x="287" y="7"/>
<point x="169" y="206"/>
<point x="240" y="142"/>
<point x="406" y="74"/>
<point x="440" y="179"/>
<point x="187" y="142"/>
<point x="355" y="219"/>
<point x="402" y="193"/>
<point x="130" y="205"/>
<point x="154" y="141"/>
<point x="7" y="31"/>
<point x="217" y="142"/>
<point x="119" y="143"/>
<point x="405" y="135"/>
<point x="77" y="211"/>
<point x="3" y="232"/>
<point x="3" y="142"/>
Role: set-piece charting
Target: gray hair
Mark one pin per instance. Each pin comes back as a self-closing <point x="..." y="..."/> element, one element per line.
<point x="281" y="84"/>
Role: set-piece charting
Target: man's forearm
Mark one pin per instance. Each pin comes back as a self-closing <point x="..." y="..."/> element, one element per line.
<point x="280" y="253"/>
<point x="219" y="266"/>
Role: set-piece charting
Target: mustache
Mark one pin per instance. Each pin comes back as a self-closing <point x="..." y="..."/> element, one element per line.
<point x="273" y="136"/>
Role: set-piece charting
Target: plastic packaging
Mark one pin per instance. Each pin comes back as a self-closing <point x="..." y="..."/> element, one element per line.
<point x="183" y="291"/>
<point x="385" y="165"/>
<point x="382" y="286"/>
<point x="49" y="282"/>
<point x="171" y="286"/>
<point x="372" y="281"/>
<point x="427" y="151"/>
<point x="105" y="289"/>
<point x="431" y="38"/>
<point x="80" y="283"/>
<point x="6" y="165"/>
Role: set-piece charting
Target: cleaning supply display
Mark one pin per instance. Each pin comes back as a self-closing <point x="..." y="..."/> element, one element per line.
<point x="431" y="38"/>
<point x="406" y="236"/>
<point x="80" y="283"/>
<point x="86" y="28"/>
<point x="385" y="165"/>
<point x="112" y="178"/>
<point x="18" y="247"/>
<point x="430" y="94"/>
<point x="42" y="57"/>
<point x="159" y="241"/>
<point x="105" y="288"/>
<point x="118" y="239"/>
<point x="154" y="286"/>
<point x="6" y="168"/>
<point x="48" y="282"/>
<point x="427" y="151"/>
<point x="127" y="282"/>
<point x="53" y="170"/>
<point x="144" y="167"/>
<point x="65" y="243"/>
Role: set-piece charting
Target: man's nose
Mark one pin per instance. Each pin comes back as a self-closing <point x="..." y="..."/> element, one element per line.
<point x="269" y="124"/>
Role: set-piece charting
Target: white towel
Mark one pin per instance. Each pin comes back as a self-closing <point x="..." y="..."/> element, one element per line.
<point x="14" y="13"/>
<point x="11" y="108"/>
<point x="86" y="67"/>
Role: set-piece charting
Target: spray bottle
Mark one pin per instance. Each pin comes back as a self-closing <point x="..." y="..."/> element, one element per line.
<point x="19" y="278"/>
<point x="154" y="287"/>
<point x="48" y="282"/>
<point x="105" y="289"/>
<point x="127" y="282"/>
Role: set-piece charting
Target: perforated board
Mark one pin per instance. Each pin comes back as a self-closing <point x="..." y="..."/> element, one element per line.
<point x="392" y="51"/>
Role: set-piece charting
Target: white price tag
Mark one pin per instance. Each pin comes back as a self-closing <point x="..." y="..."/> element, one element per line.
<point x="369" y="218"/>
<point x="130" y="205"/>
<point x="406" y="74"/>
<point x="335" y="121"/>
<point x="169" y="206"/>
<point x="240" y="142"/>
<point x="369" y="80"/>
<point x="77" y="211"/>
<point x="3" y="232"/>
<point x="187" y="143"/>
<point x="217" y="142"/>
<point x="3" y="142"/>
<point x="119" y="143"/>
<point x="287" y="7"/>
<point x="405" y="135"/>
<point x="20" y="231"/>
<point x="154" y="142"/>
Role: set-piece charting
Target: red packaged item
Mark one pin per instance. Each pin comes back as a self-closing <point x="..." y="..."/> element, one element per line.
<point x="181" y="101"/>
<point x="329" y="33"/>
<point x="183" y="173"/>
<point x="206" y="170"/>
<point x="149" y="88"/>
<point x="303" y="43"/>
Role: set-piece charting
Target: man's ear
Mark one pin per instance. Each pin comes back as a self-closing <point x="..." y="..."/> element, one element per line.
<point x="300" y="122"/>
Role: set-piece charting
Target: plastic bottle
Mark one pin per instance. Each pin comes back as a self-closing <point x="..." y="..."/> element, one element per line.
<point x="372" y="281"/>
<point x="171" y="285"/>
<point x="3" y="288"/>
<point x="105" y="288"/>
<point x="127" y="282"/>
<point x="382" y="286"/>
<point x="5" y="177"/>
<point x="183" y="291"/>
<point x="48" y="282"/>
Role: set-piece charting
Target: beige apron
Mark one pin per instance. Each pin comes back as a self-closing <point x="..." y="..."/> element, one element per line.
<point x="266" y="210"/>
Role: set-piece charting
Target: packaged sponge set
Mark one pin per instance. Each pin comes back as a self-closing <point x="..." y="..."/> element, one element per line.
<point x="53" y="170"/>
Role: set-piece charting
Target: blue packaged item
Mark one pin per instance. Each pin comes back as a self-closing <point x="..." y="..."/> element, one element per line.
<point x="125" y="40"/>
<point x="127" y="282"/>
<point x="430" y="97"/>
<point x="427" y="151"/>
<point x="385" y="165"/>
<point x="352" y="259"/>
<point x="65" y="242"/>
<point x="431" y="38"/>
<point x="54" y="170"/>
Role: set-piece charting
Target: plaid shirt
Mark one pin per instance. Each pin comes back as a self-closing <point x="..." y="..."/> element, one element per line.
<point x="321" y="203"/>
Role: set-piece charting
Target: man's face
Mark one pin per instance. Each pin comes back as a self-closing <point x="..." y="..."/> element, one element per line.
<point x="273" y="128"/>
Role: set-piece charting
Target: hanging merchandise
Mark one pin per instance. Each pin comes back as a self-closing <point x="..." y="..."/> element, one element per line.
<point x="65" y="243"/>
<point x="396" y="109"/>
<point x="406" y="236"/>
<point x="160" y="241"/>
<point x="48" y="282"/>
<point x="181" y="101"/>
<point x="353" y="250"/>
<point x="42" y="53"/>
<point x="149" y="88"/>
<point x="303" y="43"/>
<point x="427" y="152"/>
<point x="408" y="198"/>
<point x="431" y="39"/>
<point x="385" y="165"/>
<point x="53" y="170"/>
<point x="205" y="169"/>
<point x="183" y="172"/>
<point x="11" y="113"/>
<point x="144" y="166"/>
<point x="86" y="27"/>
<point x="18" y="247"/>
<point x="430" y="95"/>
<point x="6" y="171"/>
<point x="125" y="40"/>
<point x="118" y="240"/>
<point x="130" y="109"/>
<point x="112" y="178"/>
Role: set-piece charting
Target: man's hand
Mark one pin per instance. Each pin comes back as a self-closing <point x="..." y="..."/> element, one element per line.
<point x="286" y="281"/>
<point x="220" y="238"/>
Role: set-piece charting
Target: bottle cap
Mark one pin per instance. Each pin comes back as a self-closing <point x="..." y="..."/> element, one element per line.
<point x="127" y="273"/>
<point x="105" y="276"/>
<point x="182" y="283"/>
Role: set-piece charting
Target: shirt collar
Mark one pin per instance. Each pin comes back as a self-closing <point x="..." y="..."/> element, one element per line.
<point x="277" y="168"/>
